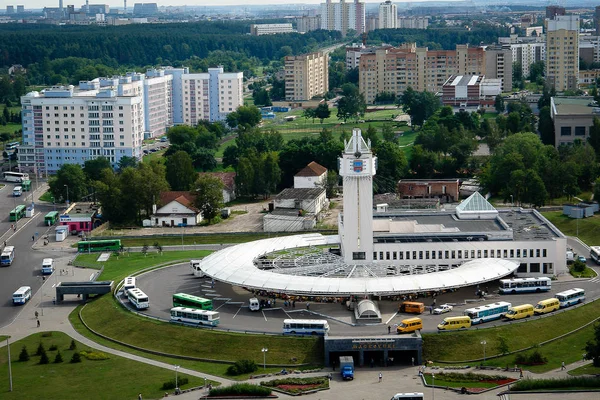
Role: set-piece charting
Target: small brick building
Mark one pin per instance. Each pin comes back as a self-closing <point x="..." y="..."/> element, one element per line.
<point x="444" y="189"/>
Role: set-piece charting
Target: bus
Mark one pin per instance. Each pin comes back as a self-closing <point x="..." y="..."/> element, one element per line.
<point x="22" y="295"/>
<point x="195" y="267"/>
<point x="305" y="327"/>
<point x="12" y="145"/>
<point x="51" y="218"/>
<point x="128" y="283"/>
<point x="525" y="285"/>
<point x="8" y="255"/>
<point x="16" y="177"/>
<point x="595" y="254"/>
<point x="17" y="213"/>
<point x="570" y="297"/>
<point x="138" y="298"/>
<point x="408" y="396"/>
<point x="90" y="246"/>
<point x="191" y="301"/>
<point x="489" y="312"/>
<point x="194" y="316"/>
<point x="26" y="184"/>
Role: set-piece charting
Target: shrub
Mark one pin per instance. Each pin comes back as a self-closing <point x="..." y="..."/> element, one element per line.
<point x="535" y="358"/>
<point x="44" y="358"/>
<point x="58" y="359"/>
<point x="562" y="383"/>
<point x="53" y="347"/>
<point x="76" y="358"/>
<point x="94" y="355"/>
<point x="241" y="389"/>
<point x="24" y="355"/>
<point x="47" y="334"/>
<point x="73" y="345"/>
<point x="40" y="349"/>
<point x="242" y="367"/>
<point x="579" y="266"/>
<point x="169" y="385"/>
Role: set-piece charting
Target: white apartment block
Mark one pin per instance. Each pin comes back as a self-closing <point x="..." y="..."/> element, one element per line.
<point x="388" y="15"/>
<point x="343" y="16"/>
<point x="210" y="95"/>
<point x="158" y="101"/>
<point x="308" y="23"/>
<point x="528" y="53"/>
<point x="306" y="76"/>
<point x="68" y="125"/>
<point x="562" y="52"/>
<point x="412" y="23"/>
<point x="270" y="29"/>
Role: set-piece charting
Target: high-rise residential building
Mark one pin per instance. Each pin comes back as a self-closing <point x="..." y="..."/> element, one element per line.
<point x="68" y="125"/>
<point x="343" y="16"/>
<point x="527" y="53"/>
<point x="20" y="9"/>
<point x="210" y="95"/>
<point x="499" y="65"/>
<point x="562" y="52"/>
<point x="10" y="9"/>
<point x="158" y="102"/>
<point x="390" y="69"/>
<point x="554" y="11"/>
<point x="597" y="20"/>
<point x="270" y="29"/>
<point x="308" y="23"/>
<point x="413" y="22"/>
<point x="306" y="76"/>
<point x="371" y="23"/>
<point x="388" y="15"/>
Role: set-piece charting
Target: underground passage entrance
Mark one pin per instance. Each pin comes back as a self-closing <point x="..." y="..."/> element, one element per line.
<point x="375" y="351"/>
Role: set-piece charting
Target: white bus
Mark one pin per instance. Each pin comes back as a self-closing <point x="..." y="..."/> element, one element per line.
<point x="195" y="316"/>
<point x="195" y="267"/>
<point x="138" y="298"/>
<point x="570" y="297"/>
<point x="305" y="327"/>
<point x="22" y="295"/>
<point x="17" y="177"/>
<point x="489" y="312"/>
<point x="408" y="396"/>
<point x="128" y="283"/>
<point x="47" y="266"/>
<point x="525" y="285"/>
<point x="595" y="254"/>
<point x="7" y="256"/>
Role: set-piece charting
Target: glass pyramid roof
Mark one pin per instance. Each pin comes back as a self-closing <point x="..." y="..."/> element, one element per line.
<point x="475" y="203"/>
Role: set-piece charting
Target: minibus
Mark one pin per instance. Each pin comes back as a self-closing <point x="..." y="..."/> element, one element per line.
<point x="519" y="312"/>
<point x="22" y="295"/>
<point x="451" y="323"/>
<point x="410" y="325"/>
<point x="412" y="307"/>
<point x="546" y="306"/>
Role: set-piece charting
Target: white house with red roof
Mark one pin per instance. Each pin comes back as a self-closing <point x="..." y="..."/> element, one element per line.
<point x="177" y="209"/>
<point x="311" y="176"/>
<point x="228" y="179"/>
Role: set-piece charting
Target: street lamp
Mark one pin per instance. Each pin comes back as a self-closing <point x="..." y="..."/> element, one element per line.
<point x="512" y="203"/>
<point x="264" y="351"/>
<point x="42" y="294"/>
<point x="67" y="186"/>
<point x="432" y="386"/>
<point x="483" y="342"/>
<point x="176" y="379"/>
<point x="10" y="385"/>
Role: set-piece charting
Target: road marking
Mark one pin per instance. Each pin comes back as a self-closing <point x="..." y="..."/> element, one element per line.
<point x="286" y="313"/>
<point x="264" y="316"/>
<point x="236" y="313"/>
<point x="391" y="318"/>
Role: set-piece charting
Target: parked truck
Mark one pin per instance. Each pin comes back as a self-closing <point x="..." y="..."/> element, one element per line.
<point x="347" y="367"/>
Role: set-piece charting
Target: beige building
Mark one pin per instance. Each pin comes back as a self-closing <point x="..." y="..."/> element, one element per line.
<point x="388" y="15"/>
<point x="308" y="23"/>
<point x="572" y="117"/>
<point x="562" y="52"/>
<point x="498" y="65"/>
<point x="306" y="76"/>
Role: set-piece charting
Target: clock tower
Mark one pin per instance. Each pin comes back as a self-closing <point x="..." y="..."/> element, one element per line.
<point x="355" y="225"/>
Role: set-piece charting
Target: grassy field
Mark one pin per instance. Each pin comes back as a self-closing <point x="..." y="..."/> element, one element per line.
<point x="105" y="316"/>
<point x="439" y="381"/>
<point x="119" y="267"/>
<point x="113" y="378"/>
<point x="467" y="345"/>
<point x="587" y="273"/>
<point x="47" y="197"/>
<point x="587" y="369"/>
<point x="156" y="156"/>
<point x="587" y="229"/>
<point x="199" y="239"/>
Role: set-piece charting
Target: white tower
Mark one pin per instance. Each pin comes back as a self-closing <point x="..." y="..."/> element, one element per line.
<point x="357" y="166"/>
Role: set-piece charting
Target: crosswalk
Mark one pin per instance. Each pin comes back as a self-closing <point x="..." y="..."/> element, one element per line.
<point x="595" y="280"/>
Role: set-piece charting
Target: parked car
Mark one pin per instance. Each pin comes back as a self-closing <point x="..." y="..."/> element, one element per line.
<point x="582" y="259"/>
<point x="444" y="308"/>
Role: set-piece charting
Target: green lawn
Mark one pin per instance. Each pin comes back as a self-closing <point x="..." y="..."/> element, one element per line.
<point x="587" y="273"/>
<point x="10" y="128"/>
<point x="587" y="229"/>
<point x="156" y="156"/>
<point x="120" y="267"/>
<point x="439" y="381"/>
<point x="587" y="369"/>
<point x="47" y="197"/>
<point x="467" y="345"/>
<point x="200" y="239"/>
<point x="114" y="378"/>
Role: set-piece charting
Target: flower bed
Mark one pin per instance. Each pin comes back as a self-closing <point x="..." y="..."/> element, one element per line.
<point x="468" y="382"/>
<point x="298" y="385"/>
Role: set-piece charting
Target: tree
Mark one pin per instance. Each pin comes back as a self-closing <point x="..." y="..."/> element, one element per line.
<point x="322" y="111"/>
<point x="44" y="358"/>
<point x="152" y="181"/>
<point x="109" y="194"/>
<point x="261" y="97"/>
<point x="71" y="176"/>
<point x="180" y="173"/>
<point x="58" y="359"/>
<point x="592" y="347"/>
<point x="271" y="173"/>
<point x="127" y="161"/>
<point x="245" y="117"/>
<point x="499" y="104"/>
<point x="419" y="105"/>
<point x="231" y="156"/>
<point x="387" y="131"/>
<point x="182" y="134"/>
<point x="391" y="166"/>
<point x="76" y="358"/>
<point x="594" y="138"/>
<point x="546" y="126"/>
<point x="93" y="168"/>
<point x="204" y="159"/>
<point x="309" y="113"/>
<point x="330" y="184"/>
<point x="209" y="196"/>
<point x="352" y="104"/>
<point x="536" y="70"/>
<point x="24" y="355"/>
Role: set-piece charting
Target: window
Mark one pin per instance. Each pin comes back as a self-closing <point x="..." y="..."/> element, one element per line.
<point x="374" y="255"/>
<point x="544" y="254"/>
<point x="565" y="131"/>
<point x="534" y="267"/>
<point x="518" y="253"/>
<point x="359" y="255"/>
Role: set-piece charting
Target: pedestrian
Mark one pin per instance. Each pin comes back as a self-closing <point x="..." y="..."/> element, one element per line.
<point x="389" y="329"/>
<point x="434" y="301"/>
<point x="140" y="396"/>
<point x="431" y="310"/>
<point x="32" y="238"/>
<point x="380" y="377"/>
<point x="413" y="361"/>
<point x="36" y="315"/>
<point x="520" y="372"/>
<point x="5" y="243"/>
<point x="562" y="366"/>
<point x="307" y="305"/>
<point x="38" y="323"/>
<point x="14" y="228"/>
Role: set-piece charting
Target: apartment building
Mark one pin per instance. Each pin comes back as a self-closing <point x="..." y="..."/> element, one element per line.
<point x="343" y="16"/>
<point x="306" y="76"/>
<point x="562" y="52"/>
<point x="210" y="95"/>
<point x="308" y="23"/>
<point x="158" y="102"/>
<point x="394" y="69"/>
<point x="68" y="125"/>
<point x="412" y="22"/>
<point x="527" y="53"/>
<point x="499" y="65"/>
<point x="572" y="118"/>
<point x="270" y="29"/>
<point x="388" y="15"/>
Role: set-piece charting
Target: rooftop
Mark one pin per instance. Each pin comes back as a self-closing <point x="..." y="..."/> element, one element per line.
<point x="312" y="169"/>
<point x="299" y="194"/>
<point x="575" y="106"/>
<point x="184" y="198"/>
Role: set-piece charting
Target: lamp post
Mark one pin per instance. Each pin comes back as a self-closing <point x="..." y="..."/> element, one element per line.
<point x="176" y="379"/>
<point x="67" y="186"/>
<point x="10" y="386"/>
<point x="512" y="203"/>
<point x="483" y="342"/>
<point x="42" y="294"/>
<point x="432" y="386"/>
<point x="15" y="208"/>
<point x="264" y="351"/>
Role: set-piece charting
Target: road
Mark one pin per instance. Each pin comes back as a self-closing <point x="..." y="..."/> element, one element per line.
<point x="26" y="267"/>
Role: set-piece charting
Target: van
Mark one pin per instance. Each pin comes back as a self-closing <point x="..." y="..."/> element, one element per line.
<point x="410" y="325"/>
<point x="519" y="312"/>
<point x="451" y="323"/>
<point x="546" y="306"/>
<point x="47" y="266"/>
<point x="22" y="295"/>
<point x="411" y="307"/>
<point x="404" y="396"/>
<point x="17" y="191"/>
<point x="254" y="304"/>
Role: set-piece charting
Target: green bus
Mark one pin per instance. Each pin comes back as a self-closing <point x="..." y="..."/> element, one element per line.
<point x="189" y="301"/>
<point x="26" y="185"/>
<point x="51" y="218"/>
<point x="90" y="246"/>
<point x="17" y="213"/>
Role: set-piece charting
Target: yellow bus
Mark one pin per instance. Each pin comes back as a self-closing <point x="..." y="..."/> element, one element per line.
<point x="451" y="323"/>
<point x="546" y="306"/>
<point x="412" y="307"/>
<point x="519" y="312"/>
<point x="410" y="325"/>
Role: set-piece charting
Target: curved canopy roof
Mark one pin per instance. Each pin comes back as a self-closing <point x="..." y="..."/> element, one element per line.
<point x="367" y="309"/>
<point x="235" y="265"/>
